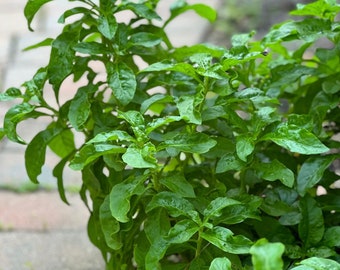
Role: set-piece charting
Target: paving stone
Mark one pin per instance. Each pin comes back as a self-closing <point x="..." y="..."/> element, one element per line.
<point x="60" y="250"/>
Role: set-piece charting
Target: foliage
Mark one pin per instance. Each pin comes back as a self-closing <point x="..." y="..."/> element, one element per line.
<point x="207" y="158"/>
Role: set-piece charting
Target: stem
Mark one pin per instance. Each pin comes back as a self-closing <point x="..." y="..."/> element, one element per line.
<point x="199" y="244"/>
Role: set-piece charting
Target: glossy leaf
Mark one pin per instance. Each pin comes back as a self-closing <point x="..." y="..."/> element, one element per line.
<point x="179" y="185"/>
<point x="275" y="171"/>
<point x="311" y="172"/>
<point x="182" y="231"/>
<point x="244" y="147"/>
<point x="174" y="203"/>
<point x="31" y="8"/>
<point x="110" y="226"/>
<point x="332" y="237"/>
<point x="122" y="82"/>
<point x="121" y="194"/>
<point x="192" y="143"/>
<point x="311" y="226"/>
<point x="107" y="25"/>
<point x="267" y="256"/>
<point x="215" y="207"/>
<point x="220" y="264"/>
<point x="10" y="94"/>
<point x="225" y="240"/>
<point x="229" y="162"/>
<point x="315" y="263"/>
<point x="187" y="109"/>
<point x="145" y="39"/>
<point x="296" y="140"/>
<point x="137" y="157"/>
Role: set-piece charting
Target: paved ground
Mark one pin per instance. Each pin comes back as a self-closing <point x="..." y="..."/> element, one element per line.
<point x="38" y="231"/>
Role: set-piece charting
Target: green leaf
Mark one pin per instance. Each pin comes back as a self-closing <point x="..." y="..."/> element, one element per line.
<point x="107" y="25"/>
<point x="13" y="116"/>
<point x="91" y="48"/>
<point x="121" y="194"/>
<point x="179" y="185"/>
<point x="214" y="208"/>
<point x="332" y="237"/>
<point x="187" y="107"/>
<point x="144" y="39"/>
<point x="311" y="172"/>
<point x="58" y="173"/>
<point x="36" y="151"/>
<point x="10" y="94"/>
<point x="110" y="226"/>
<point x="137" y="157"/>
<point x="244" y="146"/>
<point x="143" y="10"/>
<point x="90" y="152"/>
<point x="323" y="9"/>
<point x="122" y="82"/>
<point x="174" y="203"/>
<point x="113" y="135"/>
<point x="296" y="139"/>
<point x="61" y="58"/>
<point x="159" y="122"/>
<point x="184" y="68"/>
<point x="182" y="231"/>
<point x="220" y="264"/>
<point x="63" y="143"/>
<point x="191" y="143"/>
<point x="229" y="162"/>
<point x="267" y="256"/>
<point x="31" y="8"/>
<point x="157" y="98"/>
<point x="73" y="11"/>
<point x="315" y="263"/>
<point x="275" y="170"/>
<point x="224" y="239"/>
<point x="80" y="107"/>
<point x="311" y="226"/>
<point x="45" y="42"/>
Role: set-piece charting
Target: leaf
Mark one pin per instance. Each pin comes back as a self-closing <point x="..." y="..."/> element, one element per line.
<point x="157" y="98"/>
<point x="58" y="173"/>
<point x="10" y="94"/>
<point x="224" y="239"/>
<point x="229" y="162"/>
<point x="31" y="8"/>
<point x="275" y="170"/>
<point x="91" y="48"/>
<point x="113" y="135"/>
<point x="184" y="68"/>
<point x="159" y="122"/>
<point x="187" y="109"/>
<point x="15" y="115"/>
<point x="311" y="226"/>
<point x="121" y="194"/>
<point x="143" y="10"/>
<point x="220" y="264"/>
<point x="140" y="157"/>
<point x="331" y="237"/>
<point x="73" y="11"/>
<point x="107" y="25"/>
<point x="315" y="263"/>
<point x="122" y="82"/>
<point x="214" y="208"/>
<point x="244" y="146"/>
<point x="36" y="151"/>
<point x="174" y="203"/>
<point x="182" y="232"/>
<point x="63" y="143"/>
<point x="179" y="185"/>
<point x="144" y="39"/>
<point x="89" y="153"/>
<point x="110" y="226"/>
<point x="192" y="143"/>
<point x="61" y="58"/>
<point x="80" y="107"/>
<point x="45" y="42"/>
<point x="267" y="256"/>
<point x="311" y="172"/>
<point x="296" y="139"/>
<point x="323" y="9"/>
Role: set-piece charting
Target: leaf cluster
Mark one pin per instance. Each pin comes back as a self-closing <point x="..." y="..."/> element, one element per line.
<point x="197" y="157"/>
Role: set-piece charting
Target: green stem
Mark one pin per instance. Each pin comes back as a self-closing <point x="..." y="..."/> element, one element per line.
<point x="199" y="244"/>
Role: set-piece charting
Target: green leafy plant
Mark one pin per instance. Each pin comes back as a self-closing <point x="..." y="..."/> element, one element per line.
<point x="206" y="157"/>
